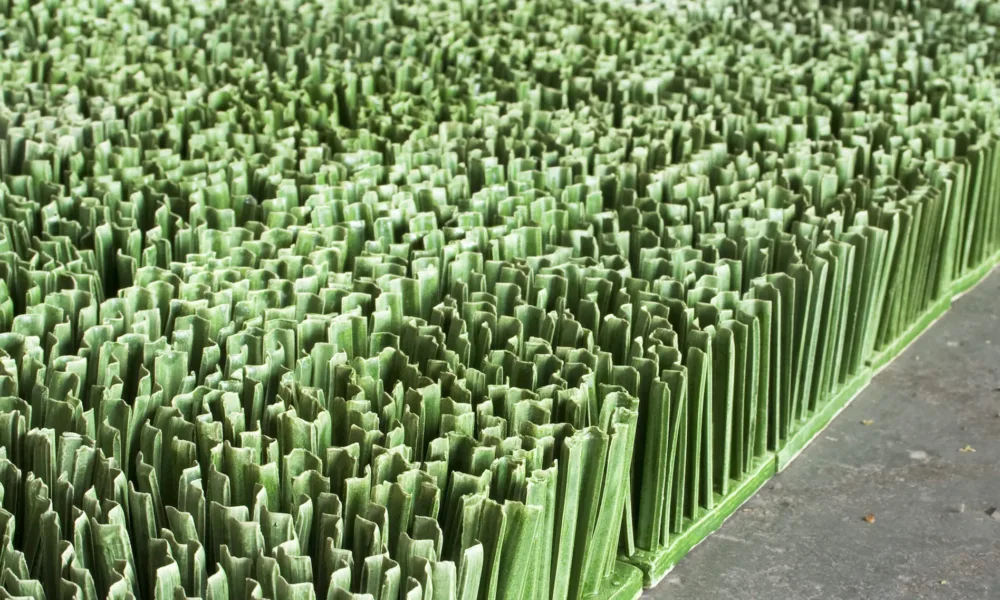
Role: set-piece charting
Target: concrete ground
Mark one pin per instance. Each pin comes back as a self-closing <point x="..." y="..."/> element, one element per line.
<point x="926" y="466"/>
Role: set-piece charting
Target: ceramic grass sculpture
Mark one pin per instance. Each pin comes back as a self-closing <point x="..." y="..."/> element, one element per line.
<point x="473" y="299"/>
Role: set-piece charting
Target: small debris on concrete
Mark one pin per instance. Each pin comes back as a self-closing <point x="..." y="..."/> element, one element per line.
<point x="952" y="344"/>
<point x="960" y="508"/>
<point x="867" y="422"/>
<point x="870" y="518"/>
<point x="994" y="513"/>
<point x="967" y="448"/>
<point x="918" y="455"/>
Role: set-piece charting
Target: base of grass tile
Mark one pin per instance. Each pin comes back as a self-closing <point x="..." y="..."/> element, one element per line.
<point x="656" y="565"/>
<point x="812" y="426"/>
<point x="819" y="421"/>
<point x="625" y="583"/>
<point x="885" y="356"/>
<point x="971" y="279"/>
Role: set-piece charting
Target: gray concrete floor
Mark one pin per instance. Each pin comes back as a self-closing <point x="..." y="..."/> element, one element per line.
<point x="804" y="535"/>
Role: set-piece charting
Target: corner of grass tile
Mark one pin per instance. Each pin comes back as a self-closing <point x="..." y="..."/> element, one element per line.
<point x="821" y="419"/>
<point x="882" y="358"/>
<point x="970" y="280"/>
<point x="654" y="566"/>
